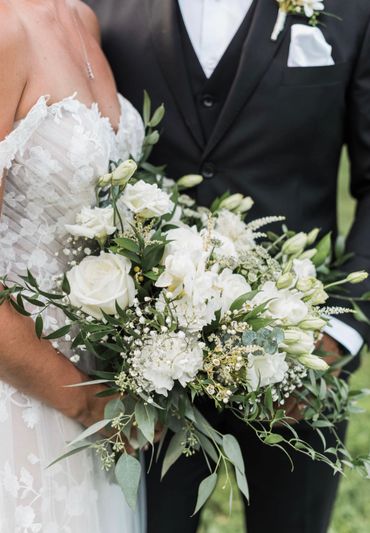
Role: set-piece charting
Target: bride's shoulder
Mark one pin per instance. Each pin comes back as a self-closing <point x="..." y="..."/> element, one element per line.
<point x="89" y="18"/>
<point x="12" y="33"/>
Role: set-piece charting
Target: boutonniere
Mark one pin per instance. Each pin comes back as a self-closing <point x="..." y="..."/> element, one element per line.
<point x="311" y="9"/>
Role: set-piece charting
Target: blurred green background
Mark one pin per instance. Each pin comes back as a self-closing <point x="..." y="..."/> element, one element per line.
<point x="352" y="510"/>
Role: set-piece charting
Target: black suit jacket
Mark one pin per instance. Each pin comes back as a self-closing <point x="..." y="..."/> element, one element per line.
<point x="280" y="134"/>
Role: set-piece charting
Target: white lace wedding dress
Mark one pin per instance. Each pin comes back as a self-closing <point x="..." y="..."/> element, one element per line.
<point x="53" y="158"/>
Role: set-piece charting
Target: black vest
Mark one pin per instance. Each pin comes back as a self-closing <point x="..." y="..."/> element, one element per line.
<point x="210" y="94"/>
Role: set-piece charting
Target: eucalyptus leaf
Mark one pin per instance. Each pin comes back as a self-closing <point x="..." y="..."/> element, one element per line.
<point x="95" y="428"/>
<point x="232" y="449"/>
<point x="128" y="474"/>
<point x="273" y="438"/>
<point x="206" y="489"/>
<point x="83" y="445"/>
<point x="146" y="418"/>
<point x="242" y="482"/>
<point x="174" y="451"/>
<point x="114" y="408"/>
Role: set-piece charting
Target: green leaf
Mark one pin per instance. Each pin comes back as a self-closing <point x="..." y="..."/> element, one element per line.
<point x="95" y="428"/>
<point x="128" y="244"/>
<point x="242" y="482"/>
<point x="114" y="408"/>
<point x="174" y="451"/>
<point x="323" y="251"/>
<point x="146" y="418"/>
<point x="146" y="108"/>
<point x="65" y="285"/>
<point x="39" y="326"/>
<point x="207" y="446"/>
<point x="18" y="308"/>
<point x="58" y="333"/>
<point x="128" y="474"/>
<point x="206" y="489"/>
<point x="232" y="449"/>
<point x="152" y="138"/>
<point x="239" y="302"/>
<point x="87" y="383"/>
<point x="273" y="438"/>
<point x="76" y="449"/>
<point x="157" y="117"/>
<point x="360" y="315"/>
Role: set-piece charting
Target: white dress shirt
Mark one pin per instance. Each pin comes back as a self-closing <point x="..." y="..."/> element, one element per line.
<point x="211" y="25"/>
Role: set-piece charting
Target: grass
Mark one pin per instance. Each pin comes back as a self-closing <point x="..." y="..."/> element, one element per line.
<point x="352" y="510"/>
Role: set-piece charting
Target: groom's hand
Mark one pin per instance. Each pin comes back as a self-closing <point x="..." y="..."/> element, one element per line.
<point x="294" y="409"/>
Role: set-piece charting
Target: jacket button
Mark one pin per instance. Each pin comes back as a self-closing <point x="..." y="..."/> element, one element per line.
<point x="208" y="171"/>
<point x="208" y="101"/>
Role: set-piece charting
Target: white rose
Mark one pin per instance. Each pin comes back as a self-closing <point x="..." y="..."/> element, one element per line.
<point x="264" y="370"/>
<point x="93" y="223"/>
<point x="232" y="286"/>
<point x="167" y="358"/>
<point x="304" y="268"/>
<point x="146" y="200"/>
<point x="97" y="283"/>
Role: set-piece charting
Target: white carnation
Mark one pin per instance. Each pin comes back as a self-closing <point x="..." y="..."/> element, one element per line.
<point x="168" y="358"/>
<point x="146" y="200"/>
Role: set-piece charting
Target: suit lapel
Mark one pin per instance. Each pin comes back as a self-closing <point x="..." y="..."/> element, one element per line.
<point x="258" y="52"/>
<point x="167" y="42"/>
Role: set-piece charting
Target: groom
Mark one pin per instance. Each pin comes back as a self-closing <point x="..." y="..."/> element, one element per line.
<point x="267" y="118"/>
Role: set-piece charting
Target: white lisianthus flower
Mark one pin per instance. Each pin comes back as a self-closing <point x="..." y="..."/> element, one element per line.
<point x="231" y="226"/>
<point x="168" y="358"/>
<point x="93" y="223"/>
<point x="288" y="307"/>
<point x="146" y="200"/>
<point x="304" y="268"/>
<point x="310" y="6"/>
<point x="267" y="369"/>
<point x="98" y="282"/>
<point x="285" y="305"/>
<point x="314" y="362"/>
<point x="232" y="286"/>
<point x="121" y="175"/>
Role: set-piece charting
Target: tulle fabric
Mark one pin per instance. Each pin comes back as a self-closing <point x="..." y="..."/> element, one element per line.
<point x="51" y="160"/>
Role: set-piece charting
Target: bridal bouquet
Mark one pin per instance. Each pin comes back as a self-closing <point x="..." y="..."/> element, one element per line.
<point x="176" y="302"/>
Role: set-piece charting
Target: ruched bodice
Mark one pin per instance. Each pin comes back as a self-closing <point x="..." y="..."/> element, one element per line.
<point x="51" y="160"/>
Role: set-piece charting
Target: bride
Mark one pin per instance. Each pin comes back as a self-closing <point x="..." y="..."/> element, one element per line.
<point x="61" y="123"/>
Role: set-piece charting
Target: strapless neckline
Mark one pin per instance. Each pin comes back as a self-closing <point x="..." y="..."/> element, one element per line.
<point x="93" y="107"/>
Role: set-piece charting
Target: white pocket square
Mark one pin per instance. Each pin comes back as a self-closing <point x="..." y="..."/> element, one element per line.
<point x="308" y="48"/>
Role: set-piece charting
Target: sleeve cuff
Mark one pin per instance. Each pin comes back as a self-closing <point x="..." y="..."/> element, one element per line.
<point x="345" y="335"/>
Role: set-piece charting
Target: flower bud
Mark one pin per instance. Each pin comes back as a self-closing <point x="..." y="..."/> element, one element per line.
<point x="122" y="174"/>
<point x="189" y="181"/>
<point x="357" y="277"/>
<point x="295" y="245"/>
<point x="313" y="324"/>
<point x="292" y="336"/>
<point x="314" y="362"/>
<point x="319" y="297"/>
<point x="308" y="254"/>
<point x="312" y="236"/>
<point x="232" y="202"/>
<point x="306" y="284"/>
<point x="245" y="205"/>
<point x="285" y="281"/>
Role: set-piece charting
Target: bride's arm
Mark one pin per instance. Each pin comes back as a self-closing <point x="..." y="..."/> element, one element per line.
<point x="29" y="364"/>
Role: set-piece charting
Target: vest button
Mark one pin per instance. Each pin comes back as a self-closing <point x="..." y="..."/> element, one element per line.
<point x="208" y="101"/>
<point x="208" y="171"/>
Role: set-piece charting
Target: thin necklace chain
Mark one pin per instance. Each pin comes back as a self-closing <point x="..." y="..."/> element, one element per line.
<point x="89" y="68"/>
